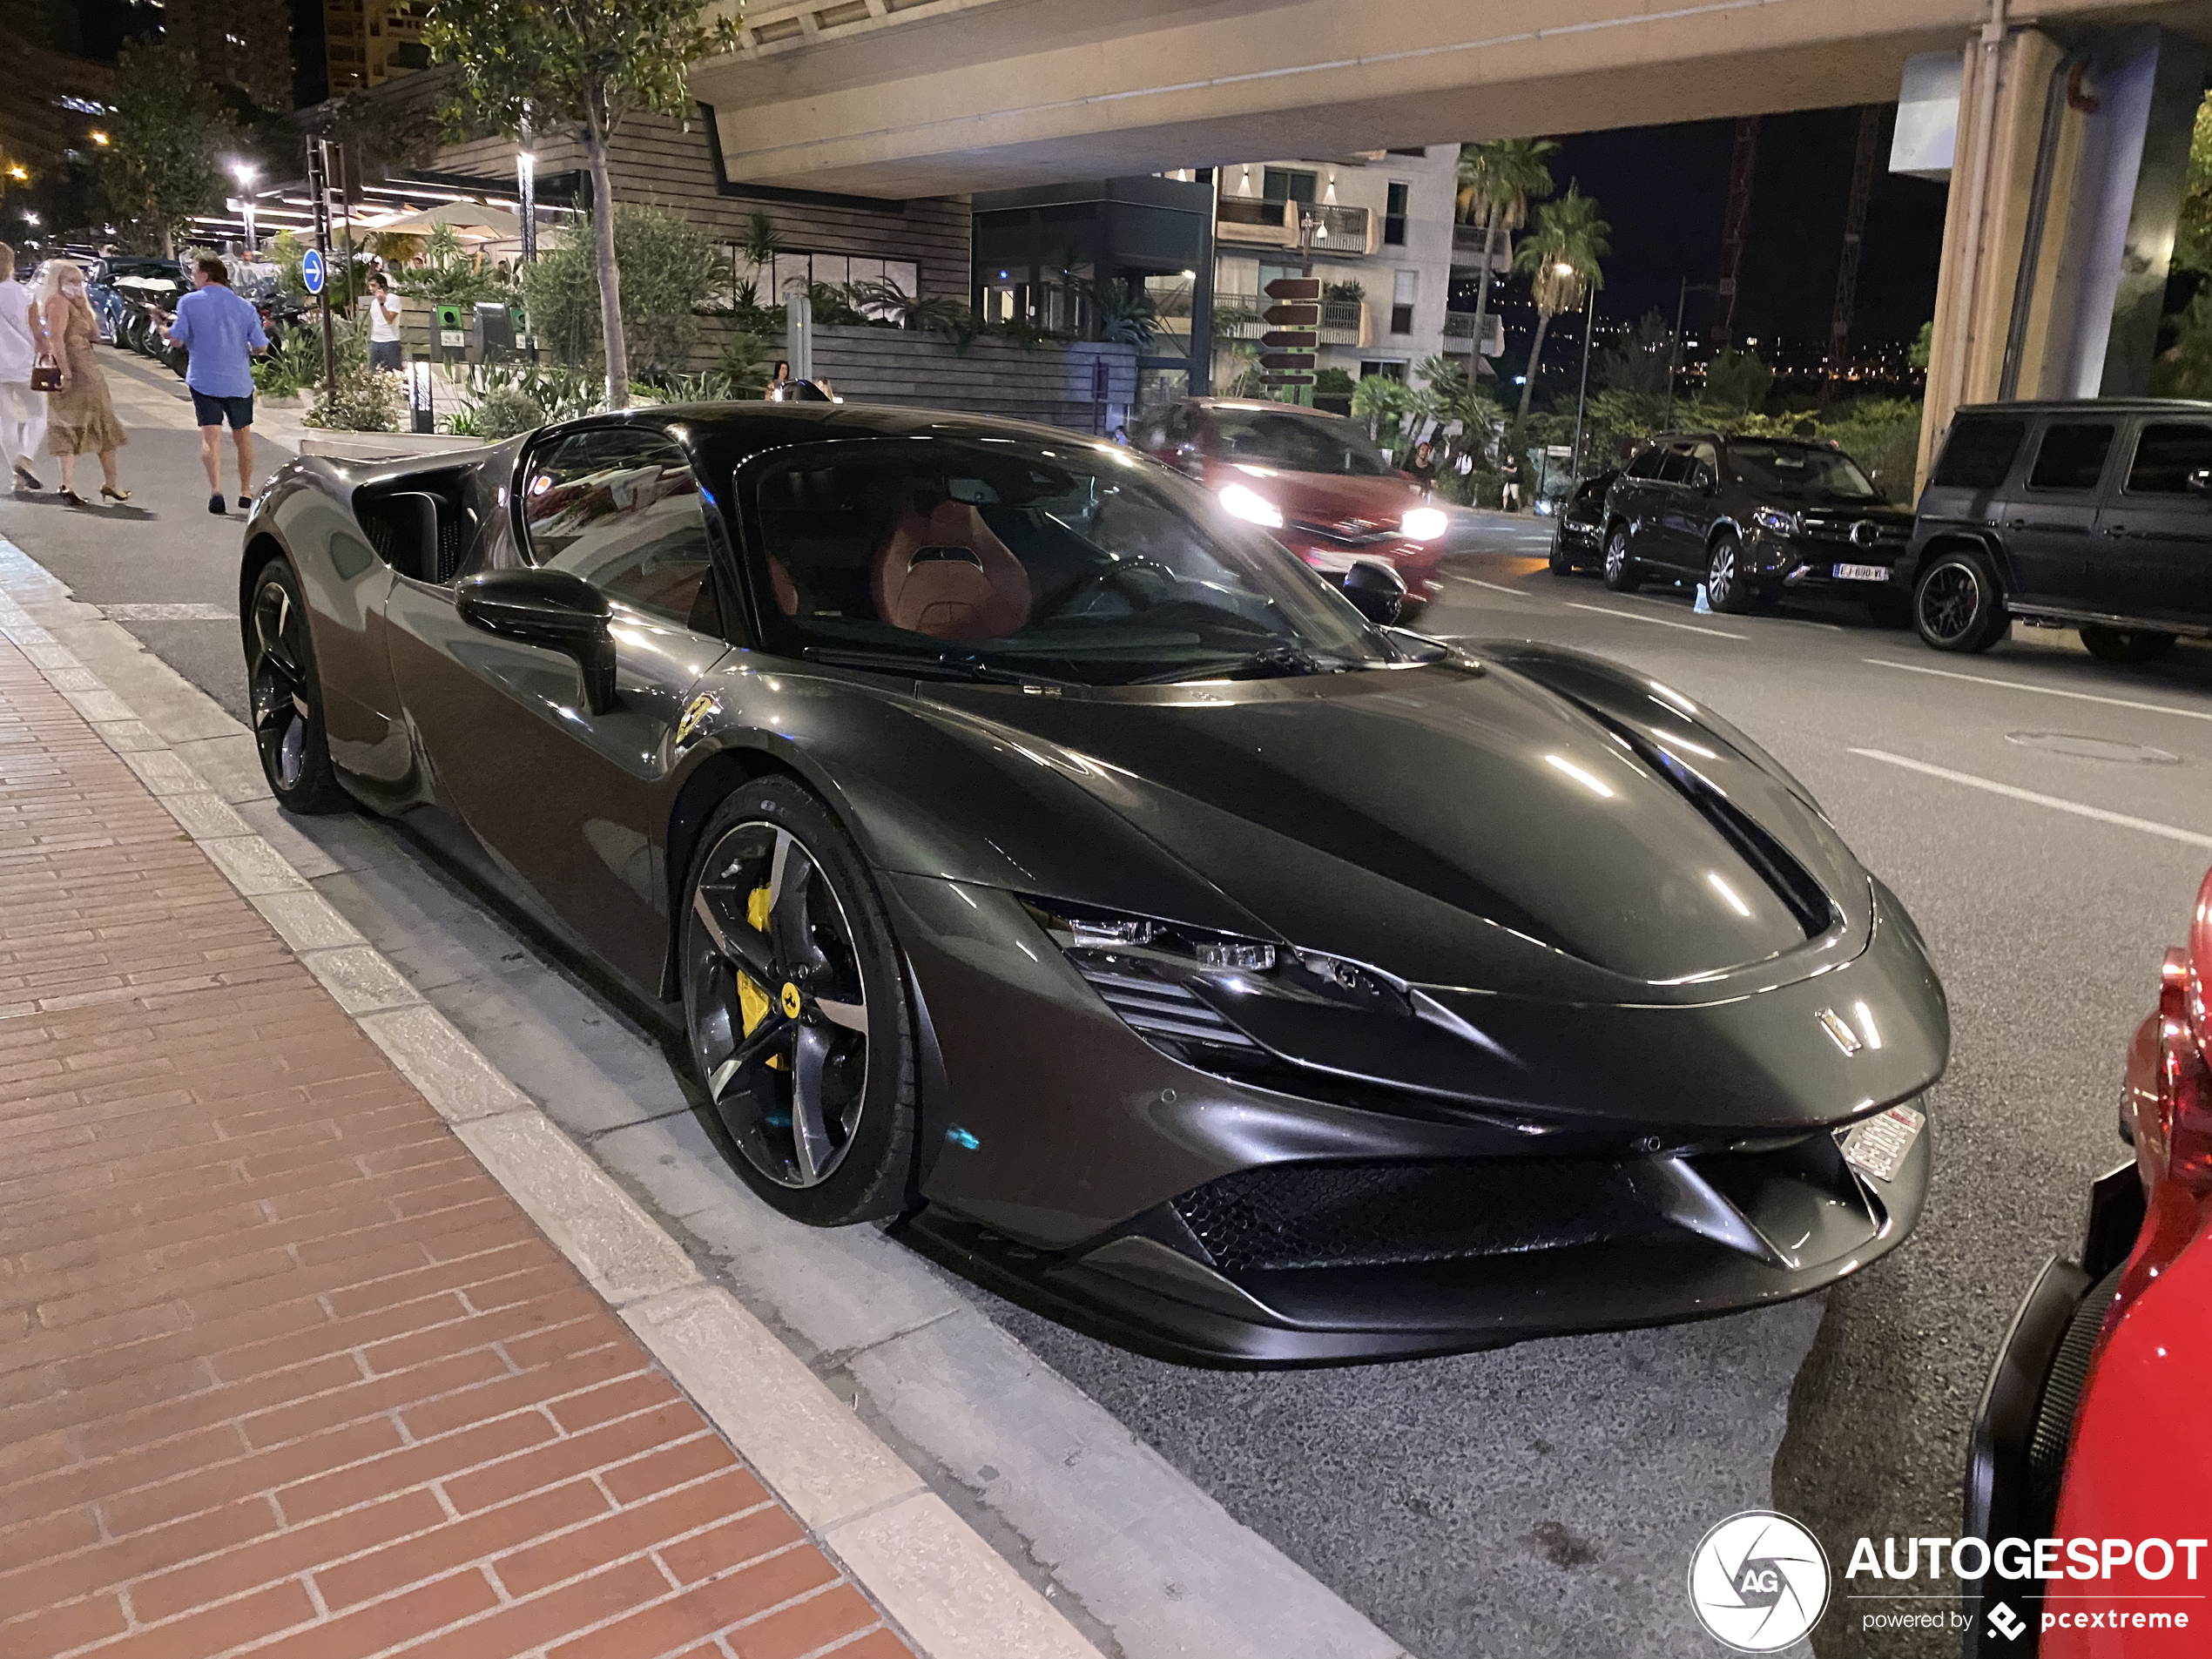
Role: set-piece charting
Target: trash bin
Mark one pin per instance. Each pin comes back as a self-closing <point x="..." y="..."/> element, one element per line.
<point x="494" y="342"/>
<point x="451" y="337"/>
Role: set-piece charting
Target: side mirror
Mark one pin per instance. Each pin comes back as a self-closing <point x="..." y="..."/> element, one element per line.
<point x="2200" y="482"/>
<point x="1188" y="461"/>
<point x="555" y="608"/>
<point x="1376" y="590"/>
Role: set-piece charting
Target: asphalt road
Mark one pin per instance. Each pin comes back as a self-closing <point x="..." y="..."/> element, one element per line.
<point x="1543" y="1500"/>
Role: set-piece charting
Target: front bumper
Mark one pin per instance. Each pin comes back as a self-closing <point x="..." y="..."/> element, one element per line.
<point x="1796" y="564"/>
<point x="2017" y="1452"/>
<point x="1213" y="1218"/>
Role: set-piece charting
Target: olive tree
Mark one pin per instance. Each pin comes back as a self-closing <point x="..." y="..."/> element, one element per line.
<point x="543" y="63"/>
<point x="160" y="164"/>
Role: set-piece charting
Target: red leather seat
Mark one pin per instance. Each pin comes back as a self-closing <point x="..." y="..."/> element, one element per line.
<point x="941" y="572"/>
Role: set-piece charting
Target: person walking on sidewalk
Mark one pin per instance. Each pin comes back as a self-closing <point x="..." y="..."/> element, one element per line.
<point x="384" y="307"/>
<point x="80" y="421"/>
<point x="222" y="331"/>
<point x="22" y="411"/>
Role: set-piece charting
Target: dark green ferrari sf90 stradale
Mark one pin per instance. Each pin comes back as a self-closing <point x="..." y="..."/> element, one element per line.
<point x="1035" y="853"/>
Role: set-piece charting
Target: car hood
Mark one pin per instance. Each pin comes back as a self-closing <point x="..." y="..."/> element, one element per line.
<point x="1466" y="825"/>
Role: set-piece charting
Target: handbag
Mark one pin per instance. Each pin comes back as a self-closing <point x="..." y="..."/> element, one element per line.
<point x="45" y="374"/>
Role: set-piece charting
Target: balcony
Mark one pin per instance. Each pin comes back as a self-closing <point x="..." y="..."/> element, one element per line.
<point x="1467" y="249"/>
<point x="1460" y="325"/>
<point x="1250" y="221"/>
<point x="1343" y="323"/>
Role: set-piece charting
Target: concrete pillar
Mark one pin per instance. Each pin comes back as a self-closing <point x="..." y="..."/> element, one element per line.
<point x="2065" y="191"/>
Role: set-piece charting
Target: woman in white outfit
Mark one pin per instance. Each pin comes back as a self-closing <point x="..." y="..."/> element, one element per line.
<point x="23" y="412"/>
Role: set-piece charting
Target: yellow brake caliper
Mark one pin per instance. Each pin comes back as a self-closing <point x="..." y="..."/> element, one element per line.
<point x="752" y="1002"/>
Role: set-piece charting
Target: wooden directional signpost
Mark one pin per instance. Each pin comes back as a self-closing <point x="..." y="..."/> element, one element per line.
<point x="1293" y="331"/>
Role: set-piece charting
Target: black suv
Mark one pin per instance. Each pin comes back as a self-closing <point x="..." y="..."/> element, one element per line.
<point x="2093" y="514"/>
<point x="1753" y="517"/>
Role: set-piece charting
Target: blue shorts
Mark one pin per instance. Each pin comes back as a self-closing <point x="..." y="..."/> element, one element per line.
<point x="211" y="411"/>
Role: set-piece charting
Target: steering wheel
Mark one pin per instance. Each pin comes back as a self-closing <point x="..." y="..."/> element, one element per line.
<point x="1113" y="576"/>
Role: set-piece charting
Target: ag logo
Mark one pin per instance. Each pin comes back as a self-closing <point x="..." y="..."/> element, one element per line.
<point x="1759" y="1581"/>
<point x="696" y="713"/>
<point x="2002" y="1622"/>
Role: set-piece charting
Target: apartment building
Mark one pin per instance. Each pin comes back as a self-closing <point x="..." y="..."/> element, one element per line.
<point x="367" y="43"/>
<point x="1382" y="246"/>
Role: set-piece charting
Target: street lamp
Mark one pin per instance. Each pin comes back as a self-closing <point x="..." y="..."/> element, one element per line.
<point x="245" y="172"/>
<point x="100" y="138"/>
<point x="526" y="202"/>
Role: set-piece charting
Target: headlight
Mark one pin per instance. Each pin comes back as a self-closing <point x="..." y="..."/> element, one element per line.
<point x="1782" y="523"/>
<point x="1250" y="505"/>
<point x="1425" y="523"/>
<point x="1171" y="983"/>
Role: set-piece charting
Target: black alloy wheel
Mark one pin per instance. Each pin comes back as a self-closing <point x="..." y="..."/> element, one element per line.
<point x="285" y="694"/>
<point x="1726" y="589"/>
<point x="796" y="1008"/>
<point x="1621" y="574"/>
<point x="1957" y="604"/>
<point x="2125" y="646"/>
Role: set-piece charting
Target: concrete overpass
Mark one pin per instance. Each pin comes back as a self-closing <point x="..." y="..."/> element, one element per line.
<point x="925" y="97"/>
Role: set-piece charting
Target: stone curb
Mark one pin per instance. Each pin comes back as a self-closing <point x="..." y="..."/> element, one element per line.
<point x="939" y="1580"/>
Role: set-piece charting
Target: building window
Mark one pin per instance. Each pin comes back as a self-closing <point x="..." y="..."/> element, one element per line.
<point x="1394" y="215"/>
<point x="1389" y="371"/>
<point x="1403" y="285"/>
<point x="1282" y="184"/>
<point x="1409" y="152"/>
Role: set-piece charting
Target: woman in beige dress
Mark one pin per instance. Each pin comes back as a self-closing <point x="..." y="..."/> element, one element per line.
<point x="80" y="421"/>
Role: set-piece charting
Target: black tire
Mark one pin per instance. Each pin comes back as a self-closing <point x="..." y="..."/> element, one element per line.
<point x="779" y="899"/>
<point x="1623" y="573"/>
<point x="1727" y="588"/>
<point x="1959" y="604"/>
<point x="284" y="689"/>
<point x="2125" y="646"/>
<point x="1562" y="561"/>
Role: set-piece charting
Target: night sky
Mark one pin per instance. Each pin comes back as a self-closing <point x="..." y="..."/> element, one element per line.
<point x="1664" y="190"/>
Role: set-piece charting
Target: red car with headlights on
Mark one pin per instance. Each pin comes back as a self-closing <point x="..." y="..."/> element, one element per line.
<point x="1316" y="481"/>
<point x="2092" y="1424"/>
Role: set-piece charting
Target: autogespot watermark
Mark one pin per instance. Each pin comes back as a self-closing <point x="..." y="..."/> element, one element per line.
<point x="1760" y="1581"/>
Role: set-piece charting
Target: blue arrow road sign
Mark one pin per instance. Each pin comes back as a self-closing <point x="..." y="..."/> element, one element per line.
<point x="311" y="270"/>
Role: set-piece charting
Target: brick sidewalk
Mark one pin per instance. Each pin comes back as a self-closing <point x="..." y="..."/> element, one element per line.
<point x="282" y="1370"/>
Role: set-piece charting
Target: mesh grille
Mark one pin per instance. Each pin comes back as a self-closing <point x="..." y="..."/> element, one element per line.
<point x="1387" y="1214"/>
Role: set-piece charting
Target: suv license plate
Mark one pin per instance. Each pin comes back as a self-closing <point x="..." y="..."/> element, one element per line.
<point x="1878" y="1145"/>
<point x="1861" y="573"/>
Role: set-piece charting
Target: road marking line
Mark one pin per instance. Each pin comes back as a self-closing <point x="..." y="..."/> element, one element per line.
<point x="170" y="613"/>
<point x="2043" y="690"/>
<point x="1493" y="587"/>
<point x="1631" y="616"/>
<point x="2149" y="826"/>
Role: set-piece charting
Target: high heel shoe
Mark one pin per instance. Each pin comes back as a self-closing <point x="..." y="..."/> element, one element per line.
<point x="73" y="498"/>
<point x="113" y="494"/>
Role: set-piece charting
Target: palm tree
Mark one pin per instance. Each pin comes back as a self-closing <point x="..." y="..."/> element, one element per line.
<point x="1497" y="182"/>
<point x="1560" y="257"/>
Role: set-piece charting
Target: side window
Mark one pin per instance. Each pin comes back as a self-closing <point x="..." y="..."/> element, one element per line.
<point x="2072" y="456"/>
<point x="1646" y="465"/>
<point x="2166" y="456"/>
<point x="621" y="508"/>
<point x="1674" y="468"/>
<point x="1980" y="454"/>
<point x="1704" y="463"/>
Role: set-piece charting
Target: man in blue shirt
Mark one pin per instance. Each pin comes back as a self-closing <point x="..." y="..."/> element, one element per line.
<point x="222" y="331"/>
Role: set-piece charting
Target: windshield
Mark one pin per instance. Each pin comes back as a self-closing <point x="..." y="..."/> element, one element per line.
<point x="1296" y="442"/>
<point x="1005" y="558"/>
<point x="1801" y="473"/>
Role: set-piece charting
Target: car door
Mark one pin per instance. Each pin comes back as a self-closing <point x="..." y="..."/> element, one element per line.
<point x="1691" y="474"/>
<point x="1635" y="497"/>
<point x="574" y="805"/>
<point x="2050" y="521"/>
<point x="1659" y="541"/>
<point x="2152" y="555"/>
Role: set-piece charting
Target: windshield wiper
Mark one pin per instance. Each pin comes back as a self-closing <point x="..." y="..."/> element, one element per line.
<point x="1279" y="659"/>
<point x="942" y="665"/>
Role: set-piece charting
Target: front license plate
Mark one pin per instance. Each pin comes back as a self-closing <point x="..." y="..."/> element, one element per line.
<point x="1861" y="573"/>
<point x="1877" y="1146"/>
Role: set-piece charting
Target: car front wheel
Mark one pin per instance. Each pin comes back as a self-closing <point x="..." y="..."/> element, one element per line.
<point x="1957" y="605"/>
<point x="1621" y="574"/>
<point x="2124" y="645"/>
<point x="285" y="694"/>
<point x="1725" y="586"/>
<point x="796" y="1008"/>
